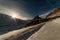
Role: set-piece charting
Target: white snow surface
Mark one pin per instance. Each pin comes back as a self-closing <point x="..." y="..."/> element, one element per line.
<point x="50" y="31"/>
<point x="16" y="33"/>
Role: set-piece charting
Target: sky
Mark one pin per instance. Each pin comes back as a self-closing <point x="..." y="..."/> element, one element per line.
<point x="27" y="9"/>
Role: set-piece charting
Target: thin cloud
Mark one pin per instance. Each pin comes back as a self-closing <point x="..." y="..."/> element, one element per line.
<point x="12" y="7"/>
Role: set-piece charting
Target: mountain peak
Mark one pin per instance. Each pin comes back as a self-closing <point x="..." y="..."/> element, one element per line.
<point x="37" y="17"/>
<point x="34" y="21"/>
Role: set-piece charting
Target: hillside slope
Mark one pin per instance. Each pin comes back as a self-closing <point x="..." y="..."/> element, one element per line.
<point x="51" y="30"/>
<point x="7" y="23"/>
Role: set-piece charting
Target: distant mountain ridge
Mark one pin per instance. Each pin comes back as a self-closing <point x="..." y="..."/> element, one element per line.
<point x="50" y="16"/>
<point x="34" y="21"/>
<point x="7" y="23"/>
<point x="8" y="20"/>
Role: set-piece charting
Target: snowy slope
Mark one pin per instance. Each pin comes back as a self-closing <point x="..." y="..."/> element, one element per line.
<point x="13" y="35"/>
<point x="50" y="31"/>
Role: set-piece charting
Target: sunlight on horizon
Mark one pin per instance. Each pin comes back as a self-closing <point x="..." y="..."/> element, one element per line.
<point x="14" y="16"/>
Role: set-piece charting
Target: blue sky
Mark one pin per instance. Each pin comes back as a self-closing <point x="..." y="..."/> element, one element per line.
<point x="27" y="9"/>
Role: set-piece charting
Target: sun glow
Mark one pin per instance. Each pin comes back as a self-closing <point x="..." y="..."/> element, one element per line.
<point x="13" y="16"/>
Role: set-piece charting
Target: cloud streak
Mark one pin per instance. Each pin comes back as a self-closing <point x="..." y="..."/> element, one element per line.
<point x="11" y="7"/>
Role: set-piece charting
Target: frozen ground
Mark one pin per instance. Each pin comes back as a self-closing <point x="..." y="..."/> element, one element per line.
<point x="13" y="35"/>
<point x="50" y="31"/>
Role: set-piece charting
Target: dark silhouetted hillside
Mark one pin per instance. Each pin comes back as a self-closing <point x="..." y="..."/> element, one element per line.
<point x="34" y="21"/>
<point x="7" y="23"/>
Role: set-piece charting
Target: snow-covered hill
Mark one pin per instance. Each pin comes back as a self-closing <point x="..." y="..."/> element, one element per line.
<point x="21" y="34"/>
<point x="51" y="30"/>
